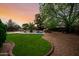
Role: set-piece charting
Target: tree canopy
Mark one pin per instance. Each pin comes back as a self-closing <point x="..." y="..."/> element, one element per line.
<point x="67" y="12"/>
<point x="11" y="26"/>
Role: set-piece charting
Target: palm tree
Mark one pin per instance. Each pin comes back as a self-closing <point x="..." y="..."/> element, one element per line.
<point x="25" y="26"/>
<point x="31" y="27"/>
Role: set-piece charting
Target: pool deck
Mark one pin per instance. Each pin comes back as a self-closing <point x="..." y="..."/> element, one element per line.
<point x="24" y="33"/>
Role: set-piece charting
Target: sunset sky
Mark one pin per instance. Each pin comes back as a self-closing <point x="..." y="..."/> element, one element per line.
<point x="19" y="13"/>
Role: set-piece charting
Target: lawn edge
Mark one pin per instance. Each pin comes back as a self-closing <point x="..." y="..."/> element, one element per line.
<point x="51" y="50"/>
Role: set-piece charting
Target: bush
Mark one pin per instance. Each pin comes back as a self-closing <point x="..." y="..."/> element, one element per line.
<point x="2" y="33"/>
<point x="50" y="24"/>
<point x="11" y="26"/>
<point x="31" y="27"/>
<point x="25" y="26"/>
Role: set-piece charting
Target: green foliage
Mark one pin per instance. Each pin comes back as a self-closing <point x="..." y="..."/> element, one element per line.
<point x="31" y="27"/>
<point x="69" y="13"/>
<point x="25" y="26"/>
<point x="11" y="26"/>
<point x="50" y="24"/>
<point x="2" y="33"/>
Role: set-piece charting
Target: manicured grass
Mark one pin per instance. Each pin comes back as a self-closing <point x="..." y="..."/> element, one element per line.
<point x="29" y="44"/>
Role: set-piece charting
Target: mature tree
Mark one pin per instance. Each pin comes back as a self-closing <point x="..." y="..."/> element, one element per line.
<point x="69" y="13"/>
<point x="11" y="26"/>
<point x="39" y="22"/>
<point x="48" y="17"/>
<point x="50" y="24"/>
<point x="17" y="27"/>
<point x="25" y="26"/>
<point x="2" y="33"/>
<point x="31" y="27"/>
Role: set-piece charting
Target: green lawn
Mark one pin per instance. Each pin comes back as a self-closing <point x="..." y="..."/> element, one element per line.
<point x="29" y="44"/>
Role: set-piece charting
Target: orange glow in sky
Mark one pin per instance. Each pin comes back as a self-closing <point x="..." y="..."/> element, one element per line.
<point x="19" y="13"/>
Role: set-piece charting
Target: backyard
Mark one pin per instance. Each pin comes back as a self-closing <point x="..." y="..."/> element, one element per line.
<point x="29" y="44"/>
<point x="53" y="29"/>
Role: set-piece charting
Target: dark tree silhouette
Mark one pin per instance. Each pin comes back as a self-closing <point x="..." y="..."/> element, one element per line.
<point x="31" y="27"/>
<point x="25" y="26"/>
<point x="11" y="26"/>
<point x="39" y="22"/>
<point x="2" y="33"/>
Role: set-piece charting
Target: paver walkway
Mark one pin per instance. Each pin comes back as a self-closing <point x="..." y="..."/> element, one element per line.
<point x="7" y="49"/>
<point x="64" y="44"/>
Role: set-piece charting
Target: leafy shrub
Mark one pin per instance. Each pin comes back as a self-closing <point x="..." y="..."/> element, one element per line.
<point x="11" y="26"/>
<point x="25" y="26"/>
<point x="50" y="24"/>
<point x="2" y="33"/>
<point x="31" y="27"/>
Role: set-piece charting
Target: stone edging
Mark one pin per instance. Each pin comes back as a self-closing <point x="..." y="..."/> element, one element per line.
<point x="13" y="45"/>
<point x="47" y="54"/>
<point x="51" y="50"/>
